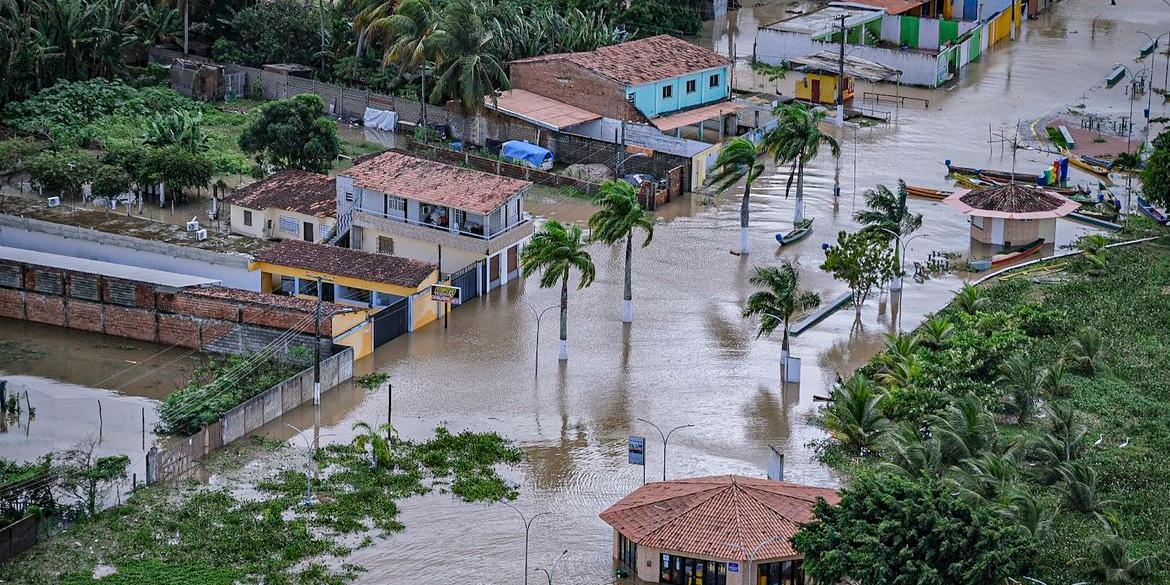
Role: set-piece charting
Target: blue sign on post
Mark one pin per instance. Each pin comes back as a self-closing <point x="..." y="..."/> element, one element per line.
<point x="732" y="567"/>
<point x="637" y="450"/>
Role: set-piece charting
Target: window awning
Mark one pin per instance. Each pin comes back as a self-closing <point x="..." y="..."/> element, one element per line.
<point x="692" y="117"/>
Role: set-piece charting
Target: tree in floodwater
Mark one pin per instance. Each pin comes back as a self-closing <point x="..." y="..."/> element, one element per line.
<point x="863" y="261"/>
<point x="739" y="160"/>
<point x="779" y="299"/>
<point x="90" y="478"/>
<point x="555" y="251"/>
<point x="619" y="216"/>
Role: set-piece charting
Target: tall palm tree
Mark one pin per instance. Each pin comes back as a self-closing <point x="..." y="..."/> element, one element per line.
<point x="886" y="213"/>
<point x="779" y="300"/>
<point x="797" y="140"/>
<point x="371" y="17"/>
<point x="907" y="453"/>
<point x="408" y="32"/>
<point x="853" y="417"/>
<point x="468" y="70"/>
<point x="555" y="251"/>
<point x="619" y="216"/>
<point x="738" y="161"/>
<point x="1024" y="379"/>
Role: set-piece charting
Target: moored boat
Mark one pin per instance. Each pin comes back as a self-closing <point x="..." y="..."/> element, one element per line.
<point x="926" y="192"/>
<point x="797" y="233"/>
<point x="1013" y="254"/>
<point x="1150" y="211"/>
<point x="993" y="173"/>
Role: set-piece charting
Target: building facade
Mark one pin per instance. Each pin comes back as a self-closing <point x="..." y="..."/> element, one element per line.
<point x="459" y="219"/>
<point x="290" y="205"/>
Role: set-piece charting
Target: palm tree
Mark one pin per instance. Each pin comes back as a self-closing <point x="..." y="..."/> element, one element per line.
<point x="1055" y="381"/>
<point x="971" y="299"/>
<point x="409" y="29"/>
<point x="556" y="250"/>
<point x="1062" y="443"/>
<point x="779" y="300"/>
<point x="797" y="140"/>
<point x="986" y="476"/>
<point x="1023" y="379"/>
<point x="619" y="216"/>
<point x="1027" y="510"/>
<point x="908" y="454"/>
<point x="1086" y="350"/>
<point x="738" y="161"/>
<point x="887" y="214"/>
<point x="1114" y="565"/>
<point x="853" y="417"/>
<point x="376" y="439"/>
<point x="1080" y="487"/>
<point x="373" y="16"/>
<point x="936" y="331"/>
<point x="469" y="71"/>
<point x="964" y="428"/>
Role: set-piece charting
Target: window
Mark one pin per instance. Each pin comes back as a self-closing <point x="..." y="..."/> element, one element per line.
<point x="628" y="553"/>
<point x="349" y="197"/>
<point x="667" y="91"/>
<point x="781" y="573"/>
<point x="385" y="245"/>
<point x="691" y="86"/>
<point x="288" y="285"/>
<point x="247" y="217"/>
<point x="461" y="219"/>
<point x="392" y="205"/>
<point x="683" y="571"/>
<point x="289" y="224"/>
<point x="307" y="287"/>
<point x="354" y="295"/>
<point x="714" y="81"/>
<point x="977" y="221"/>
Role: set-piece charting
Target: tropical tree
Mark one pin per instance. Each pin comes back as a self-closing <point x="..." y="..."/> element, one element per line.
<point x="374" y="440"/>
<point x="964" y="429"/>
<point x="177" y="127"/>
<point x="408" y="34"/>
<point x="1094" y="251"/>
<point x="1055" y="382"/>
<point x="1023" y="378"/>
<point x="936" y="331"/>
<point x="905" y="452"/>
<point x="853" y="417"/>
<point x="468" y="71"/>
<point x="779" y="299"/>
<point x="1026" y="509"/>
<point x="619" y="215"/>
<point x="1080" y="487"/>
<point x="177" y="168"/>
<point x="1113" y="564"/>
<point x="739" y="160"/>
<point x="863" y="261"/>
<point x="888" y="215"/>
<point x="555" y="251"/>
<point x="796" y="140"/>
<point x="971" y="299"/>
<point x="1086" y="351"/>
<point x="293" y="134"/>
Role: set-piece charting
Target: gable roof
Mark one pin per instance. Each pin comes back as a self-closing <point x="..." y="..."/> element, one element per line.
<point x="1012" y="201"/>
<point x="336" y="261"/>
<point x="290" y="190"/>
<point x="719" y="516"/>
<point x="642" y="61"/>
<point x="434" y="182"/>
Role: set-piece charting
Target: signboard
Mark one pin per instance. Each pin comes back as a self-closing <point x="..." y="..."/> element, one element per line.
<point x="732" y="567"/>
<point x="638" y="450"/>
<point x="445" y="294"/>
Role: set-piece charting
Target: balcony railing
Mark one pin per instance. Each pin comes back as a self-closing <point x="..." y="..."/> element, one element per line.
<point x="470" y="231"/>
<point x="445" y="237"/>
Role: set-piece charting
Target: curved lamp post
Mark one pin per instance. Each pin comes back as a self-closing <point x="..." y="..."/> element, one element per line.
<point x="527" y="527"/>
<point x="548" y="573"/>
<point x="538" y="315"/>
<point x="665" y="439"/>
<point x="751" y="555"/>
<point x="896" y="282"/>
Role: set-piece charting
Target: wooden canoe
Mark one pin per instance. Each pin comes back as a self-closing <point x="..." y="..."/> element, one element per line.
<point x="1084" y="165"/>
<point x="795" y="234"/>
<point x="1018" y="252"/>
<point x="927" y="192"/>
<point x="993" y="173"/>
<point x="1150" y="211"/>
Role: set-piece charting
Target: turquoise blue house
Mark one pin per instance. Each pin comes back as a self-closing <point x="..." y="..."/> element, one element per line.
<point x="661" y="80"/>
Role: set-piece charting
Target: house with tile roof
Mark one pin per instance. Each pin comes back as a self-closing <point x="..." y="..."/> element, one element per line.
<point x="396" y="291"/>
<point x="470" y="223"/>
<point x="719" y="530"/>
<point x="662" y="80"/>
<point x="292" y="204"/>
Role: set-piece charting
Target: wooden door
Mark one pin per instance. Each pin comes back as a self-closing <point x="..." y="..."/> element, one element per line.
<point x="512" y="259"/>
<point x="816" y="91"/>
<point x="308" y="229"/>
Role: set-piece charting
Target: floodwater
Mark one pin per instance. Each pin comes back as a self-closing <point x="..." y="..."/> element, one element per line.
<point x="65" y="374"/>
<point x="690" y="358"/>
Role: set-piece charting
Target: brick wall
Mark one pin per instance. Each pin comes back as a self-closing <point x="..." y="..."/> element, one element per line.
<point x="137" y="310"/>
<point x="572" y="84"/>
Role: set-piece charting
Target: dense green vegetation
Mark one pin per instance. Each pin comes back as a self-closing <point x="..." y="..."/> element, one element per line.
<point x="216" y="387"/>
<point x="1041" y="403"/>
<point x="1156" y="175"/>
<point x="189" y="534"/>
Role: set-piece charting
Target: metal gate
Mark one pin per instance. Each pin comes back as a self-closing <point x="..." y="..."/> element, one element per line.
<point x="465" y="279"/>
<point x="391" y="321"/>
<point x="235" y="85"/>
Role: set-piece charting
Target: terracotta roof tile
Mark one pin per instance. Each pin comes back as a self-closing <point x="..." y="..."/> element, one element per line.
<point x="717" y="517"/>
<point x="269" y="300"/>
<point x="336" y="261"/>
<point x="644" y="60"/>
<point x="1012" y="201"/>
<point x="291" y="190"/>
<point x="434" y="182"/>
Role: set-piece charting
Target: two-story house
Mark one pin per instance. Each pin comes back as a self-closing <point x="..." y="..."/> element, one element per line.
<point x="662" y="80"/>
<point x="466" y="221"/>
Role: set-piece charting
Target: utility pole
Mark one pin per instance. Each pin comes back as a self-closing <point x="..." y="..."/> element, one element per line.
<point x="321" y="14"/>
<point x="317" y="367"/>
<point x="841" y="77"/>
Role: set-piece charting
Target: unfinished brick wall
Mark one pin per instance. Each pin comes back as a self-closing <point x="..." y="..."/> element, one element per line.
<point x="139" y="310"/>
<point x="572" y="84"/>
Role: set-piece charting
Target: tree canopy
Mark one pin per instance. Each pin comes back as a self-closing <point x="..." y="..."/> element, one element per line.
<point x="862" y="260"/>
<point x="293" y="134"/>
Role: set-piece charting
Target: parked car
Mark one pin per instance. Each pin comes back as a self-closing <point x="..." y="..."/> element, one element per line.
<point x="638" y="179"/>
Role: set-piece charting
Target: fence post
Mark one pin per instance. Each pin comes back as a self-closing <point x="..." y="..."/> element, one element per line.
<point x="152" y="465"/>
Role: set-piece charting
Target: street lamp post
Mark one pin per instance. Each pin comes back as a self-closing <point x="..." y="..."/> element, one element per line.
<point x="309" y="466"/>
<point x="548" y="573"/>
<point x="665" y="440"/>
<point x="896" y="282"/>
<point x="538" y="315"/>
<point x="752" y="555"/>
<point x="1150" y="91"/>
<point x="527" y="527"/>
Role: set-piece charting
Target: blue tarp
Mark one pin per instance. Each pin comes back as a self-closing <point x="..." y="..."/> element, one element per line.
<point x="521" y="152"/>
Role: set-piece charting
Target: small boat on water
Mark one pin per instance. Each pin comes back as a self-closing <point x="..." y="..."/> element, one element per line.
<point x="927" y="192"/>
<point x="992" y="173"/>
<point x="1013" y="254"/>
<point x="1069" y="192"/>
<point x="798" y="232"/>
<point x="1085" y="165"/>
<point x="1150" y="211"/>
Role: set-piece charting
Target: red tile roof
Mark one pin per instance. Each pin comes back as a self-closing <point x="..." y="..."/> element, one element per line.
<point x="434" y="182"/>
<point x="644" y="60"/>
<point x="290" y="190"/>
<point x="892" y="6"/>
<point x="717" y="517"/>
<point x="269" y="300"/>
<point x="336" y="261"/>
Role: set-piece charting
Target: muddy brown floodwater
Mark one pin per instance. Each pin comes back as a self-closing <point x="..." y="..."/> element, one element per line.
<point x="689" y="357"/>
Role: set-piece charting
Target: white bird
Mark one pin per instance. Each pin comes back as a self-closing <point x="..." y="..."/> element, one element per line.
<point x="1124" y="443"/>
<point x="1100" y="439"/>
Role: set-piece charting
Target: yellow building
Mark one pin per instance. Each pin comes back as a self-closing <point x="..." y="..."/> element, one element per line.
<point x="819" y="85"/>
<point x="396" y="290"/>
<point x="290" y="205"/>
<point x="821" y="88"/>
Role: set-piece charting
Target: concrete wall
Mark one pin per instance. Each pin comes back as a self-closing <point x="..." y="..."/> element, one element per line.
<point x="918" y="68"/>
<point x="18" y="537"/>
<point x="54" y="238"/>
<point x="572" y="84"/>
<point x="293" y="392"/>
<point x="263" y="218"/>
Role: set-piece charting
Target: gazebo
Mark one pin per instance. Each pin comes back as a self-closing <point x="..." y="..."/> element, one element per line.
<point x="1012" y="214"/>
<point x="719" y="530"/>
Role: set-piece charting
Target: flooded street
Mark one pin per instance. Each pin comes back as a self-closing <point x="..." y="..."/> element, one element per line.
<point x="690" y="358"/>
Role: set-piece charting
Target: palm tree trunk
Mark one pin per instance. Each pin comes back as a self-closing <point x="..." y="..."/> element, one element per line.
<point x="744" y="210"/>
<point x="784" y="344"/>
<point x="628" y="303"/>
<point x="423" y="103"/>
<point x="360" y="41"/>
<point x="565" y="317"/>
<point x="798" y="215"/>
<point x="896" y="281"/>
